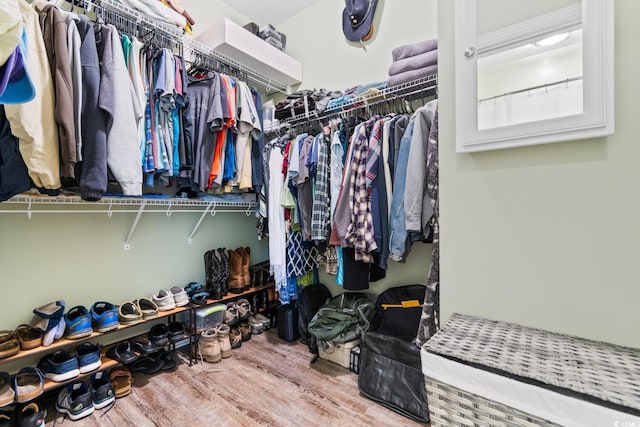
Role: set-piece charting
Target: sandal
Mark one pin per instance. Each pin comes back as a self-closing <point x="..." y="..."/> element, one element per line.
<point x="121" y="380"/>
<point x="28" y="384"/>
<point x="29" y="337"/>
<point x="7" y="394"/>
<point x="122" y="352"/>
<point x="9" y="344"/>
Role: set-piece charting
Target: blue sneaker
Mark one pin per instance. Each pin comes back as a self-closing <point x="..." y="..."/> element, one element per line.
<point x="105" y="316"/>
<point x="88" y="356"/>
<point x="75" y="401"/>
<point x="59" y="366"/>
<point x="78" y="322"/>
<point x="101" y="390"/>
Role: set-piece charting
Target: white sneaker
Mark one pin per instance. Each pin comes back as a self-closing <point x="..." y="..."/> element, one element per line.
<point x="164" y="300"/>
<point x="179" y="296"/>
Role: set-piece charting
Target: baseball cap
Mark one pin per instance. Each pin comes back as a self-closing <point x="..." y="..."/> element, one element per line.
<point x="357" y="17"/>
<point x="16" y="86"/>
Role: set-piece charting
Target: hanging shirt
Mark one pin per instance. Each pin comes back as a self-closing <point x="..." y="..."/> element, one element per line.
<point x="360" y="231"/>
<point x="205" y="110"/>
<point x="320" y="213"/>
<point x="75" y="66"/>
<point x="118" y="98"/>
<point x="336" y="167"/>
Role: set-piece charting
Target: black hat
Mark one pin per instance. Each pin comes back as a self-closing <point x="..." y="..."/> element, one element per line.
<point x="357" y="17"/>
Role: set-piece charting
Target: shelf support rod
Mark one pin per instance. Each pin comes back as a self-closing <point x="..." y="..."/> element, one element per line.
<point x="195" y="228"/>
<point x="127" y="242"/>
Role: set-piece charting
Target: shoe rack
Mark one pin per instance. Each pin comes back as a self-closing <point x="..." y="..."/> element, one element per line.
<point x="268" y="308"/>
<point x="107" y="363"/>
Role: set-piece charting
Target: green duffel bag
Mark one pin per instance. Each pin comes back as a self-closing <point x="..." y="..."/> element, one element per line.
<point x="343" y="318"/>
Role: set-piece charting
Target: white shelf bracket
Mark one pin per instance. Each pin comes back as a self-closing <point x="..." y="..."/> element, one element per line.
<point x="169" y="210"/>
<point x="248" y="212"/>
<point x="127" y="242"/>
<point x="29" y="210"/>
<point x="110" y="212"/>
<point x="210" y="208"/>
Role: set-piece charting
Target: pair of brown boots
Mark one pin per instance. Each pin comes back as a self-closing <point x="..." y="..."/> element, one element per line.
<point x="239" y="277"/>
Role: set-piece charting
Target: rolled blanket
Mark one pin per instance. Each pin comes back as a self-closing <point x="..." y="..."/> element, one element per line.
<point x="414" y="49"/>
<point x="411" y="75"/>
<point x="414" y="62"/>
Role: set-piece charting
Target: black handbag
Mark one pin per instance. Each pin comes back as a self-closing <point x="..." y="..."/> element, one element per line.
<point x="391" y="375"/>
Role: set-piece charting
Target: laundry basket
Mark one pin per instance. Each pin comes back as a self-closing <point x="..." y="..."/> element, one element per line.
<point x="480" y="372"/>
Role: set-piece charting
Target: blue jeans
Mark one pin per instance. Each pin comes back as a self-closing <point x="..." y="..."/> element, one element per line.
<point x="398" y="236"/>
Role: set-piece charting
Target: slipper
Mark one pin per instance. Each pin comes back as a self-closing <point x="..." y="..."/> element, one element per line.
<point x="159" y="335"/>
<point x="177" y="331"/>
<point x="9" y="344"/>
<point x="148" y="308"/>
<point x="122" y="352"/>
<point x="143" y="346"/>
<point x="29" y="337"/>
<point x="146" y="365"/>
<point x="47" y="316"/>
<point x="164" y="356"/>
<point x="6" y="391"/>
<point x="121" y="380"/>
<point x="129" y="314"/>
<point x="28" y="384"/>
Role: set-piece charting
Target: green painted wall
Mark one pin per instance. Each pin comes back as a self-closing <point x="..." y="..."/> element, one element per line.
<point x="315" y="37"/>
<point x="547" y="235"/>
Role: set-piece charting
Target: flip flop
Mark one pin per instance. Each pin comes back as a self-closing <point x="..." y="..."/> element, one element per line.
<point x="121" y="380"/>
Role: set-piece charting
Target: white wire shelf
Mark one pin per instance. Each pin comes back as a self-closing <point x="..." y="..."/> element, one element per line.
<point x="191" y="46"/>
<point x="426" y="86"/>
<point x="130" y="201"/>
<point x="36" y="204"/>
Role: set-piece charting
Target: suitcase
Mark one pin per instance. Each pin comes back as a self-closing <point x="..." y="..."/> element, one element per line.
<point x="288" y="322"/>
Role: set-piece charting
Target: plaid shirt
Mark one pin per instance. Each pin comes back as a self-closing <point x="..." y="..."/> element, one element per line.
<point x="321" y="199"/>
<point x="360" y="230"/>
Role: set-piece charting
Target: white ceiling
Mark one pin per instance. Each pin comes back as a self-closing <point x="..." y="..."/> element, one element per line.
<point x="269" y="12"/>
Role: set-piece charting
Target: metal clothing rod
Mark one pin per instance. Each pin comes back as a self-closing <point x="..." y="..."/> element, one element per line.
<point x="125" y="18"/>
<point x="427" y="86"/>
<point x="542" y="86"/>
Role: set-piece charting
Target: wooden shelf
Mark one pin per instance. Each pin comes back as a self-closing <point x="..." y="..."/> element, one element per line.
<point x="65" y="342"/>
<point x="231" y="296"/>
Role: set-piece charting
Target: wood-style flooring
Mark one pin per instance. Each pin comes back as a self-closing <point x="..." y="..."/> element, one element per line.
<point x="266" y="382"/>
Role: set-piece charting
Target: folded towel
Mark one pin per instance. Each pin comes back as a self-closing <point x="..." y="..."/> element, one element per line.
<point x="411" y="75"/>
<point x="414" y="62"/>
<point x="414" y="49"/>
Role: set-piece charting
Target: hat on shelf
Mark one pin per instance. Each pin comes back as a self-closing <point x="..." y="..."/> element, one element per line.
<point x="357" y="18"/>
<point x="15" y="84"/>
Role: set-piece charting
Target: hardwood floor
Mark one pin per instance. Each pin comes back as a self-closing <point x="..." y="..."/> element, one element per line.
<point x="266" y="382"/>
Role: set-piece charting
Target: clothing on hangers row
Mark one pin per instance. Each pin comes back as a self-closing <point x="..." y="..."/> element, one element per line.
<point x="110" y="107"/>
<point x="354" y="190"/>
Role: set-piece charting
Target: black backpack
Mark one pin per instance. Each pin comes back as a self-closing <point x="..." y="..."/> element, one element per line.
<point x="309" y="301"/>
<point x="398" y="311"/>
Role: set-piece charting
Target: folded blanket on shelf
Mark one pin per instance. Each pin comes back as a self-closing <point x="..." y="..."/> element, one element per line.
<point x="414" y="62"/>
<point x="411" y="75"/>
<point x="157" y="10"/>
<point x="414" y="49"/>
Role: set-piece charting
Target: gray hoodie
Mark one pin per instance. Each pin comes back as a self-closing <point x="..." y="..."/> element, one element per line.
<point x="92" y="171"/>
